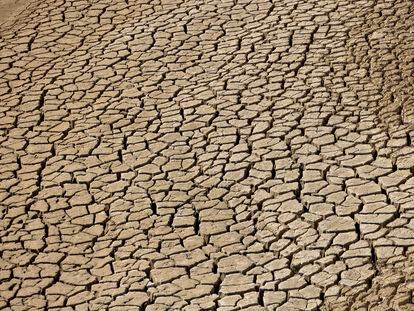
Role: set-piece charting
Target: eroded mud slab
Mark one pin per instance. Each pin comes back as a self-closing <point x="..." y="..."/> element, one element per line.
<point x="207" y="155"/>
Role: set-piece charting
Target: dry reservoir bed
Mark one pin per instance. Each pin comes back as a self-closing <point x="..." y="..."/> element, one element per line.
<point x="207" y="155"/>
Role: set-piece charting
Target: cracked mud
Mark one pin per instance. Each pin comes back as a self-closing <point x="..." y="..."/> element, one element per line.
<point x="207" y="155"/>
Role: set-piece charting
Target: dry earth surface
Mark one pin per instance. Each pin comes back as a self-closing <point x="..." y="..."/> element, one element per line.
<point x="10" y="8"/>
<point x="207" y="155"/>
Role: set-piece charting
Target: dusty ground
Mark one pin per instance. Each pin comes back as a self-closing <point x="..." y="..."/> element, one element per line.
<point x="10" y="8"/>
<point x="207" y="155"/>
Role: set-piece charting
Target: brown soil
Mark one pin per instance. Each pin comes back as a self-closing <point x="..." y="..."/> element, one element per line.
<point x="9" y="8"/>
<point x="206" y="155"/>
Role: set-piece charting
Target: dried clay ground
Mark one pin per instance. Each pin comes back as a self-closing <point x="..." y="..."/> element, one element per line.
<point x="10" y="8"/>
<point x="207" y="155"/>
